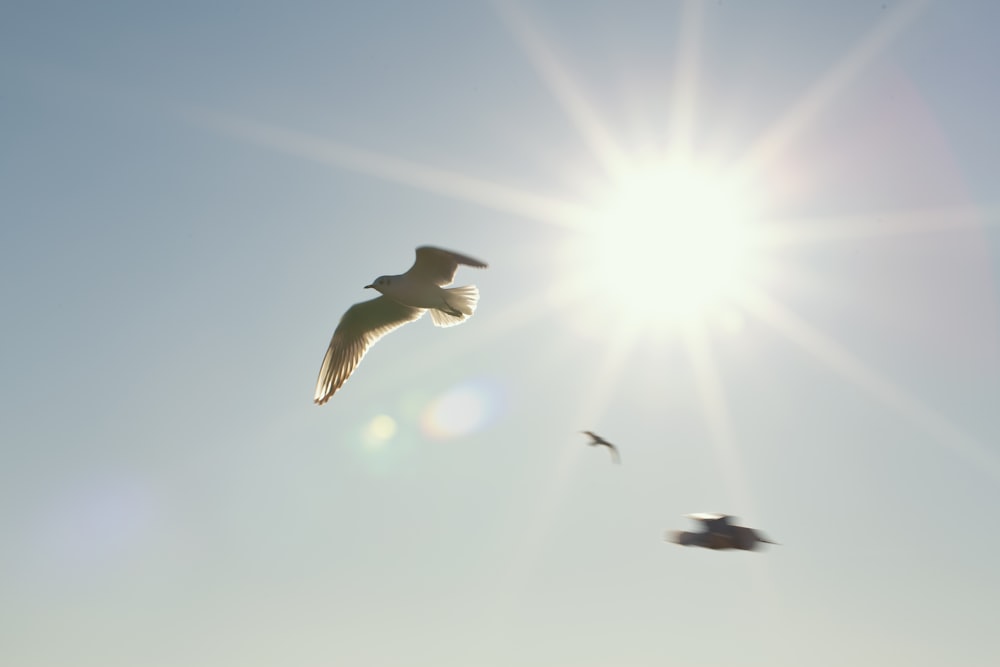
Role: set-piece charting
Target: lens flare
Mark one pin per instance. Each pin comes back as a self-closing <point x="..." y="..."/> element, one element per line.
<point x="379" y="431"/>
<point x="464" y="409"/>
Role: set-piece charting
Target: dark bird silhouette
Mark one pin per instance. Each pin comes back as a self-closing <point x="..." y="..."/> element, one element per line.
<point x="598" y="441"/>
<point x="719" y="532"/>
<point x="404" y="298"/>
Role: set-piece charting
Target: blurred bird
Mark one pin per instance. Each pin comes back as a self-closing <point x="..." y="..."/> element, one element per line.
<point x="404" y="298"/>
<point x="719" y="533"/>
<point x="596" y="440"/>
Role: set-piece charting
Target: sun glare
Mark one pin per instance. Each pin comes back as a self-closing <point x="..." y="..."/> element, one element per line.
<point x="670" y="245"/>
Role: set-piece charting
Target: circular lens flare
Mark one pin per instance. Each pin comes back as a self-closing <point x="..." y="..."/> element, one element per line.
<point x="379" y="431"/>
<point x="463" y="409"/>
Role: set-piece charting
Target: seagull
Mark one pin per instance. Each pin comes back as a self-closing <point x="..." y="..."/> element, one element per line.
<point x="596" y="440"/>
<point x="719" y="532"/>
<point x="404" y="298"/>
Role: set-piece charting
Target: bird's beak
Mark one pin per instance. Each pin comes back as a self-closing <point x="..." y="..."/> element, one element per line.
<point x="369" y="286"/>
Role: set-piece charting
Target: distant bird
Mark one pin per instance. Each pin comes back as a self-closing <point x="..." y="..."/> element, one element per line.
<point x="404" y="299"/>
<point x="719" y="533"/>
<point x="596" y="440"/>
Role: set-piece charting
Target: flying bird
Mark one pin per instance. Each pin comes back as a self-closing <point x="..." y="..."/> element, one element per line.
<point x="404" y="298"/>
<point x="719" y="532"/>
<point x="596" y="441"/>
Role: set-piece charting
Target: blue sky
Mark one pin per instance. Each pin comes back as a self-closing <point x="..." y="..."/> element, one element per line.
<point x="193" y="195"/>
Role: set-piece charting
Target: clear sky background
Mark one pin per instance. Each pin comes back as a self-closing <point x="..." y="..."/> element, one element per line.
<point x="193" y="193"/>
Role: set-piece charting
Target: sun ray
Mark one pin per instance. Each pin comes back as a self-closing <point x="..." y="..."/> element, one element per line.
<point x="778" y="233"/>
<point x="715" y="409"/>
<point x="680" y="130"/>
<point x="442" y="350"/>
<point x="389" y="168"/>
<point x="815" y="100"/>
<point x="546" y="508"/>
<point x="840" y="360"/>
<point x="604" y="381"/>
<point x="562" y="87"/>
<point x="532" y="308"/>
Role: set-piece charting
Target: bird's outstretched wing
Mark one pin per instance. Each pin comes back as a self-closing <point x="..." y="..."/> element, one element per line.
<point x="598" y="440"/>
<point x="360" y="327"/>
<point x="761" y="538"/>
<point x="709" y="517"/>
<point x="438" y="266"/>
<point x="595" y="439"/>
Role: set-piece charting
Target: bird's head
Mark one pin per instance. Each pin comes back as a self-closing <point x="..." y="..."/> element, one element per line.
<point x="380" y="284"/>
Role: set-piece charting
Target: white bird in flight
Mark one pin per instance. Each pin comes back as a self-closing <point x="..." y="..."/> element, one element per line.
<point x="404" y="299"/>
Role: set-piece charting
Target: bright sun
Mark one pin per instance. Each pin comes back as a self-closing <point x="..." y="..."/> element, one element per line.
<point x="669" y="245"/>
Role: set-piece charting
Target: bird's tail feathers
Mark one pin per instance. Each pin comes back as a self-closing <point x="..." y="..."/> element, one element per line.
<point x="459" y="303"/>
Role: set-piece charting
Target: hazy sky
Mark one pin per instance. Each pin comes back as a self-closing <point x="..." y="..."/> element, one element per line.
<point x="193" y="193"/>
